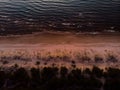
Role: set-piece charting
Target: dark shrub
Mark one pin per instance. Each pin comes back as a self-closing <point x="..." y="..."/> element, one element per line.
<point x="112" y="84"/>
<point x="35" y="77"/>
<point x="97" y="72"/>
<point x="98" y="59"/>
<point x="63" y="71"/>
<point x="85" y="59"/>
<point x="21" y="77"/>
<point x="112" y="73"/>
<point x="48" y="73"/>
<point x="112" y="58"/>
<point x="2" y="78"/>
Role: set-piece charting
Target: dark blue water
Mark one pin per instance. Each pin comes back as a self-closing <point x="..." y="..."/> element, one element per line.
<point x="26" y="16"/>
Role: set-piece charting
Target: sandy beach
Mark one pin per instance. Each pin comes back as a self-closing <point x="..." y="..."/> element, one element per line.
<point x="54" y="45"/>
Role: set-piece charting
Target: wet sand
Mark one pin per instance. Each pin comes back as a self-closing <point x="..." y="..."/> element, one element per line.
<point x="60" y="38"/>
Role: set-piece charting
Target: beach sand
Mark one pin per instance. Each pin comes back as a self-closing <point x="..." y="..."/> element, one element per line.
<point x="61" y="43"/>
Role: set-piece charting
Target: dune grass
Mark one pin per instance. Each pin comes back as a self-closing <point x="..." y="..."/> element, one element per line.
<point x="59" y="57"/>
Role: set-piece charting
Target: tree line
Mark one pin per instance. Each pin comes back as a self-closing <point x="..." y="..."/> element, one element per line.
<point x="54" y="78"/>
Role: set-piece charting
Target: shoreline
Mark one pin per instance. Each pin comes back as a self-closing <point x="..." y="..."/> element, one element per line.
<point x="60" y="38"/>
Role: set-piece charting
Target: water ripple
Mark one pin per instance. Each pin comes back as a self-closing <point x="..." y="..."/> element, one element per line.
<point x="62" y="15"/>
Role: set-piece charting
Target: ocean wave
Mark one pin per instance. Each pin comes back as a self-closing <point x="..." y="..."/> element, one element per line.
<point x="27" y="16"/>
